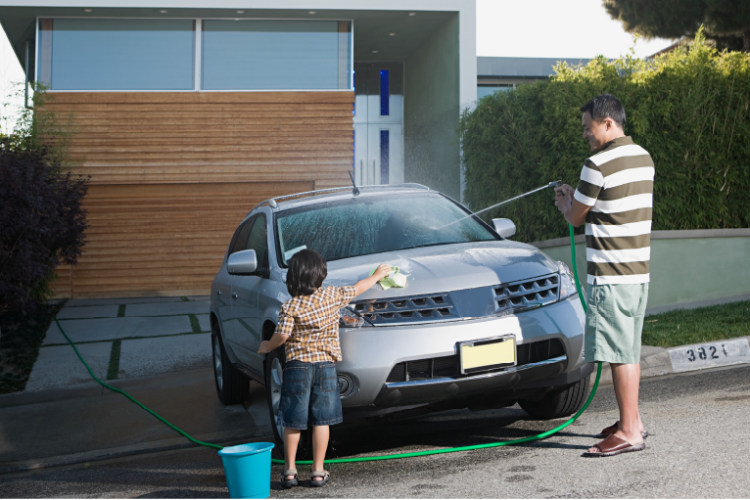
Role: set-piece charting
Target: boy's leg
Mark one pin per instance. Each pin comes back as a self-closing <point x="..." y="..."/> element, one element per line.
<point x="291" y="441"/>
<point x="321" y="434"/>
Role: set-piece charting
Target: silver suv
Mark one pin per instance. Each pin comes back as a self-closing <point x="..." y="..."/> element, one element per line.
<point x="482" y="321"/>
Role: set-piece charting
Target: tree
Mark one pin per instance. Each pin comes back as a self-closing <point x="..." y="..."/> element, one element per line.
<point x="727" y="22"/>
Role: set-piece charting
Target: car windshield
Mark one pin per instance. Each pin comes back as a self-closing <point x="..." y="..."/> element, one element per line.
<point x="368" y="225"/>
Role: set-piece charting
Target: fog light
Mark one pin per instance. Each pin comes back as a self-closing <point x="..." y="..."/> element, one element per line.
<point x="347" y="385"/>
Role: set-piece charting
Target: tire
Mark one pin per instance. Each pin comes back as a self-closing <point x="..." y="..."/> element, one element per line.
<point x="232" y="386"/>
<point x="559" y="403"/>
<point x="274" y="375"/>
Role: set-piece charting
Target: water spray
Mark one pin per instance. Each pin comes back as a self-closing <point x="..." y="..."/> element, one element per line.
<point x="553" y="184"/>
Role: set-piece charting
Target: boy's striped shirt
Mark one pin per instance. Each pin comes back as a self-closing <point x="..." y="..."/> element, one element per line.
<point x="617" y="183"/>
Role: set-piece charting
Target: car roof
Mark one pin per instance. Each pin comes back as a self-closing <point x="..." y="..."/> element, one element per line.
<point x="333" y="194"/>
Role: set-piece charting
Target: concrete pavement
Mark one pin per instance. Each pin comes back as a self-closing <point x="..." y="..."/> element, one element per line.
<point x="159" y="351"/>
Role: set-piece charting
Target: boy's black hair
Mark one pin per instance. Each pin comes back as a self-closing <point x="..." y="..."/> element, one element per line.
<point x="605" y="106"/>
<point x="307" y="270"/>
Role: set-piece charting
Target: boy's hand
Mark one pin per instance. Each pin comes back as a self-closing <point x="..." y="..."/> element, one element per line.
<point x="382" y="271"/>
<point x="265" y="347"/>
<point x="363" y="285"/>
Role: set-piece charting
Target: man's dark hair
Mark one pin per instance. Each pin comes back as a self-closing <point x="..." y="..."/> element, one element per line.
<point x="605" y="106"/>
<point x="307" y="270"/>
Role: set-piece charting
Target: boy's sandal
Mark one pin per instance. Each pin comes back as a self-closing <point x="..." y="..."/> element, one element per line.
<point x="289" y="479"/>
<point x="319" y="478"/>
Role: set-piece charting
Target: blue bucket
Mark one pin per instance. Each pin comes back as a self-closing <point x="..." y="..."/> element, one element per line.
<point x="247" y="468"/>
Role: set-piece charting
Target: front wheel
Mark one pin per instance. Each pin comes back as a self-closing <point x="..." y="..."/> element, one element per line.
<point x="232" y="386"/>
<point x="558" y="403"/>
<point x="274" y="375"/>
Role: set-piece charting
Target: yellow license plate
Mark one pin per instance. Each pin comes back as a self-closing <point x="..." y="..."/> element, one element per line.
<point x="487" y="354"/>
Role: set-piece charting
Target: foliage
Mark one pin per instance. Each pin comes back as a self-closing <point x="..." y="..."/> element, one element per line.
<point x="689" y="108"/>
<point x="727" y="22"/>
<point x="41" y="215"/>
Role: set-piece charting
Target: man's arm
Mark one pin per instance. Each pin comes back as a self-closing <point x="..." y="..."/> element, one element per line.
<point x="573" y="210"/>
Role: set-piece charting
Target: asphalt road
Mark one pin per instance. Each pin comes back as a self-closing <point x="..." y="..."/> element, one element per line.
<point x="699" y="447"/>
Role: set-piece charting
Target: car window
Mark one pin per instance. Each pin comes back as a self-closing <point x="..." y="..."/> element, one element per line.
<point x="367" y="225"/>
<point x="251" y="235"/>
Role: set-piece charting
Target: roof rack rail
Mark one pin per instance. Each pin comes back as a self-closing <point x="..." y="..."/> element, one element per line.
<point x="273" y="202"/>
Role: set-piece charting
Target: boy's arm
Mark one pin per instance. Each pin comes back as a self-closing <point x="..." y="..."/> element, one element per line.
<point x="280" y="335"/>
<point x="269" y="345"/>
<point x="365" y="284"/>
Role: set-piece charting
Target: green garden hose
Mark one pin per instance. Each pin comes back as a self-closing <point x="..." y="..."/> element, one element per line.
<point x="536" y="437"/>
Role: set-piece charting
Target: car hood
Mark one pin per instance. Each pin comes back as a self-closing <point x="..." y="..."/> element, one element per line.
<point x="447" y="267"/>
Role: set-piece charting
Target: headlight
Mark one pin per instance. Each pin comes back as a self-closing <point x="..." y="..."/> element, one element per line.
<point x="567" y="282"/>
<point x="350" y="319"/>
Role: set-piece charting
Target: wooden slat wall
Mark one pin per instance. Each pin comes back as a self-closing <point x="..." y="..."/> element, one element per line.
<point x="172" y="174"/>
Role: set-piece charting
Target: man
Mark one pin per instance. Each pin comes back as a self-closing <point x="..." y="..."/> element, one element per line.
<point x="614" y="199"/>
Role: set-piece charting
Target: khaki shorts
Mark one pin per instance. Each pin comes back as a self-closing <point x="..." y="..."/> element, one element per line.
<point x="614" y="322"/>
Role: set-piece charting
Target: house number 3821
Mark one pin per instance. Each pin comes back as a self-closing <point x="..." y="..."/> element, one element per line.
<point x="711" y="352"/>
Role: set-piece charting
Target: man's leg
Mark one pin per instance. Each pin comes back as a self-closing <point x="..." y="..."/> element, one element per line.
<point x="626" y="379"/>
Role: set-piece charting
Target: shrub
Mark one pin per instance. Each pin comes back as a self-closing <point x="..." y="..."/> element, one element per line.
<point x="688" y="108"/>
<point x="41" y="217"/>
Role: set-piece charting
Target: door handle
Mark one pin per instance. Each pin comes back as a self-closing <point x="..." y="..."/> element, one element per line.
<point x="235" y="296"/>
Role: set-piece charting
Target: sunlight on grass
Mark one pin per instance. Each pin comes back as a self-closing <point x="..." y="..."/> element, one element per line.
<point x="693" y="326"/>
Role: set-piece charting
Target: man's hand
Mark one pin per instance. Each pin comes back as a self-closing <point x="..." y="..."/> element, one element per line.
<point x="563" y="198"/>
<point x="573" y="210"/>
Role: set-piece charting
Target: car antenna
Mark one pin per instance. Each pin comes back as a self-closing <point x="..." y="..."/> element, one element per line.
<point x="355" y="191"/>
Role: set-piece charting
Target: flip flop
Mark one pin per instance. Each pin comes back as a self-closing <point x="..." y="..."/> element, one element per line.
<point x="608" y="431"/>
<point x="323" y="475"/>
<point x="612" y="446"/>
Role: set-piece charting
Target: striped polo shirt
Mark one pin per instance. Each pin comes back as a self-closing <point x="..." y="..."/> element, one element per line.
<point x="617" y="183"/>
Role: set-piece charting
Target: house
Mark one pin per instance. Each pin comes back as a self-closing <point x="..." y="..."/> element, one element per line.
<point x="186" y="113"/>
<point x="503" y="73"/>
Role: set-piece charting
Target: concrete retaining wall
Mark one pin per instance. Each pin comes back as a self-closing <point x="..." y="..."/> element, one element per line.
<point x="688" y="268"/>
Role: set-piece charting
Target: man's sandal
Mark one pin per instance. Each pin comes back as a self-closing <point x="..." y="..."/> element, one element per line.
<point x="319" y="478"/>
<point x="607" y="431"/>
<point x="613" y="446"/>
<point x="290" y="478"/>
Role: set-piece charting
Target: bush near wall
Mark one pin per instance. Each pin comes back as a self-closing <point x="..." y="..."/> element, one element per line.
<point x="689" y="108"/>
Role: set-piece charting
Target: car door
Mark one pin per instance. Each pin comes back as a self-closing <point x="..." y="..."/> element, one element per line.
<point x="245" y="334"/>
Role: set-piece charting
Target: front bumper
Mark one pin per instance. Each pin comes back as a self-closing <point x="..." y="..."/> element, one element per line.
<point x="371" y="353"/>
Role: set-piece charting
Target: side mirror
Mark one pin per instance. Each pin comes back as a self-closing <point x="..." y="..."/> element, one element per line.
<point x="242" y="262"/>
<point x="504" y="227"/>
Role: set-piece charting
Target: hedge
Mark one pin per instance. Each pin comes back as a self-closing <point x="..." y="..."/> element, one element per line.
<point x="689" y="108"/>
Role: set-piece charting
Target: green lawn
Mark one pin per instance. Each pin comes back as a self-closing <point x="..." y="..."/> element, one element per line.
<point x="694" y="326"/>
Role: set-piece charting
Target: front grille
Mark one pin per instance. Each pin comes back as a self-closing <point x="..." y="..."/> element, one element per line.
<point x="407" y="309"/>
<point x="449" y="366"/>
<point x="506" y="298"/>
<point x="528" y="294"/>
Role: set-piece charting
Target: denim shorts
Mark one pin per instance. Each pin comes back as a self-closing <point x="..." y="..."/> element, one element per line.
<point x="310" y="394"/>
<point x="614" y="323"/>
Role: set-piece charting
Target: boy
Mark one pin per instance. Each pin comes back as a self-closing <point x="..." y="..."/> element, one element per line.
<point x="308" y="325"/>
